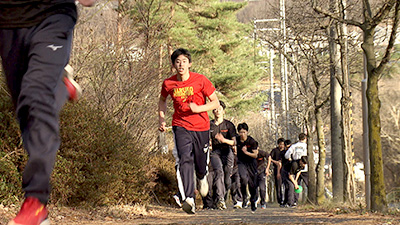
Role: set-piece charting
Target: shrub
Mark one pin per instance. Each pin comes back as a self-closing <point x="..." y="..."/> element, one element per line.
<point x="12" y="157"/>
<point x="98" y="164"/>
<point x="165" y="177"/>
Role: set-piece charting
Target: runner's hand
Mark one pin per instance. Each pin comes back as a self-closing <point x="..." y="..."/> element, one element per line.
<point x="244" y="149"/>
<point x="194" y="107"/>
<point x="162" y="127"/>
<point x="87" y="2"/>
<point x="220" y="137"/>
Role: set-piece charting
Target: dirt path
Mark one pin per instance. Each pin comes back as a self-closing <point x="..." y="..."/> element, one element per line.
<point x="169" y="215"/>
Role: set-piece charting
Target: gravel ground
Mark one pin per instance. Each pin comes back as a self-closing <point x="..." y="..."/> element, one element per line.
<point x="171" y="215"/>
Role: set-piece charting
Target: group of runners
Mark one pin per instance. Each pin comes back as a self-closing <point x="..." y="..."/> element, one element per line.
<point x="218" y="156"/>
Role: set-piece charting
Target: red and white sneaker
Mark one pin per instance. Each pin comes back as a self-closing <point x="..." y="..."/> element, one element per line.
<point x="74" y="89"/>
<point x="32" y="212"/>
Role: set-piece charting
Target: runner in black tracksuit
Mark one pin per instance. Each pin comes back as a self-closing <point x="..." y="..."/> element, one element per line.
<point x="263" y="164"/>
<point x="247" y="165"/>
<point x="284" y="174"/>
<point x="223" y="135"/>
<point x="276" y="160"/>
<point x="293" y="175"/>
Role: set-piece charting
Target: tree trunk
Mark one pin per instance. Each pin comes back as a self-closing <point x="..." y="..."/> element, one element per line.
<point x="311" y="164"/>
<point x="322" y="156"/>
<point x="336" y="131"/>
<point x="378" y="193"/>
<point x="349" y="183"/>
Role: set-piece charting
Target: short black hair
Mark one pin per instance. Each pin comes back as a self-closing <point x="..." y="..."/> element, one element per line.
<point x="280" y="140"/>
<point x="181" y="51"/>
<point x="302" y="136"/>
<point x="304" y="159"/>
<point x="221" y="103"/>
<point x="242" y="126"/>
<point x="288" y="142"/>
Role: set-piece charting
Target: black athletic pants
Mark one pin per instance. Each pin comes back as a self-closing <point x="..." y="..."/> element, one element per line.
<point x="192" y="151"/>
<point x="222" y="163"/>
<point x="303" y="177"/>
<point x="235" y="186"/>
<point x="261" y="179"/>
<point x="208" y="201"/>
<point x="33" y="60"/>
<point x="289" y="188"/>
<point x="278" y="186"/>
<point x="248" y="176"/>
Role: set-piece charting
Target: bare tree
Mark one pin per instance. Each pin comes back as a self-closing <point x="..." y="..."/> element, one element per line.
<point x="387" y="11"/>
<point x="310" y="86"/>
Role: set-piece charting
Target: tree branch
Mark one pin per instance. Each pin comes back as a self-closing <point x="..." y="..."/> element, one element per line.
<point x="334" y="16"/>
<point x="389" y="48"/>
<point x="382" y="13"/>
<point x="323" y="102"/>
<point x="367" y="10"/>
<point x="284" y="54"/>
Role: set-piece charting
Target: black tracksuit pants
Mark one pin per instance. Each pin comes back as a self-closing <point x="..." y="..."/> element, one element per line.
<point x="278" y="186"/>
<point x="248" y="176"/>
<point x="222" y="163"/>
<point x="303" y="177"/>
<point x="235" y="186"/>
<point x="261" y="179"/>
<point x="193" y="156"/>
<point x="289" y="188"/>
<point x="33" y="60"/>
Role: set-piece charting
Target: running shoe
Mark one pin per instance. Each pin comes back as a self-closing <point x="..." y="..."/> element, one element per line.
<point x="203" y="189"/>
<point x="177" y="200"/>
<point x="221" y="204"/>
<point x="32" y="212"/>
<point x="73" y="88"/>
<point x="238" y="205"/>
<point x="253" y="206"/>
<point x="246" y="204"/>
<point x="188" y="206"/>
<point x="264" y="206"/>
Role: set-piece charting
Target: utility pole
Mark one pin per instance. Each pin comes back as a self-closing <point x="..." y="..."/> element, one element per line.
<point x="284" y="75"/>
<point x="272" y="91"/>
<point x="271" y="55"/>
<point x="284" y="87"/>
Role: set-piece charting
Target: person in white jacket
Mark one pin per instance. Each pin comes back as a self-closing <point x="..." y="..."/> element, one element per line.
<point x="294" y="153"/>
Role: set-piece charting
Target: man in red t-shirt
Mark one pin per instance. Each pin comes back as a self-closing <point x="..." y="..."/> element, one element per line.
<point x="190" y="123"/>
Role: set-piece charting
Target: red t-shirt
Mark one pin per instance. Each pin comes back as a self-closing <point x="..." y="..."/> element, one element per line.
<point x="195" y="90"/>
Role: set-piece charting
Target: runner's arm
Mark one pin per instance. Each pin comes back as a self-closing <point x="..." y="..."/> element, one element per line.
<point x="162" y="108"/>
<point x="276" y="162"/>
<point x="212" y="104"/>
<point x="291" y="178"/>
<point x="268" y="165"/>
<point x="251" y="154"/>
<point x="224" y="140"/>
<point x="298" y="175"/>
